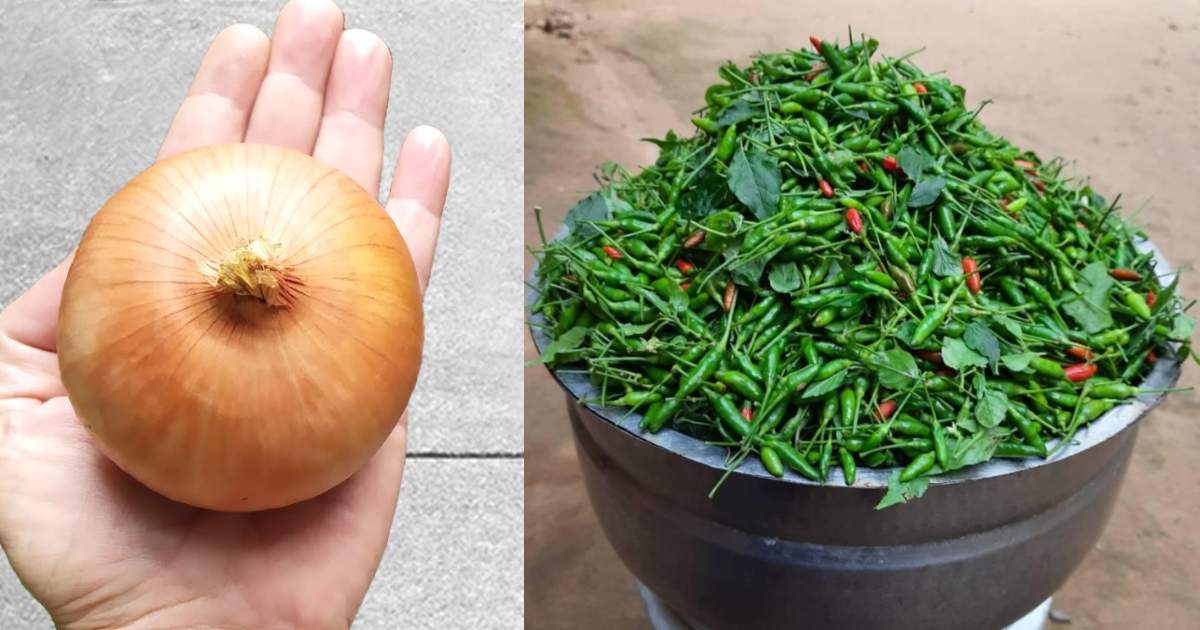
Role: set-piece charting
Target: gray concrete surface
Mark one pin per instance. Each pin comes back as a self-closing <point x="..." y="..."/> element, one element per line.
<point x="87" y="90"/>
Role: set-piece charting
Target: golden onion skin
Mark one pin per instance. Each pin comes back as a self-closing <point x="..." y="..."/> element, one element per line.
<point x="222" y="400"/>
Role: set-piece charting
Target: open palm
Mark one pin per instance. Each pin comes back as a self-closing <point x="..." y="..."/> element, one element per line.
<point x="100" y="550"/>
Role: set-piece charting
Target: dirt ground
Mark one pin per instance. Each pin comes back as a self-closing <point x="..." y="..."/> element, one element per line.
<point x="1114" y="85"/>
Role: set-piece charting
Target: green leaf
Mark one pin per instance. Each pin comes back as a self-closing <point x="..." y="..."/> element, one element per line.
<point x="722" y="227"/>
<point x="703" y="196"/>
<point x="913" y="162"/>
<point x="1090" y="308"/>
<point x="591" y="208"/>
<point x="754" y="180"/>
<point x="957" y="355"/>
<point x="897" y="369"/>
<point x="785" y="277"/>
<point x="824" y="387"/>
<point x="902" y="491"/>
<point x="634" y="330"/>
<point x="615" y="203"/>
<point x="974" y="450"/>
<point x="677" y="298"/>
<point x="743" y="108"/>
<point x="981" y="339"/>
<point x="926" y="192"/>
<point x="990" y="409"/>
<point x="1183" y="327"/>
<point x="1010" y="325"/>
<point x="657" y="302"/>
<point x="668" y="144"/>
<point x="746" y="271"/>
<point x="566" y="342"/>
<point x="944" y="262"/>
<point x="1018" y="361"/>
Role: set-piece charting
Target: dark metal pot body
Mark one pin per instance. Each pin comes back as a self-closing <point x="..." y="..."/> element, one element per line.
<point x="765" y="553"/>
<point x="983" y="547"/>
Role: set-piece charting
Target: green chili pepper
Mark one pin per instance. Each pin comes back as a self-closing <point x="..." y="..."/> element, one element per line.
<point x="1047" y="367"/>
<point x="1026" y="427"/>
<point x="728" y="413"/>
<point x="741" y="384"/>
<point x="920" y="465"/>
<point x="794" y="460"/>
<point x="771" y="364"/>
<point x="848" y="404"/>
<point x="770" y="460"/>
<point x="940" y="449"/>
<point x="833" y="367"/>
<point x="728" y="143"/>
<point x="833" y="56"/>
<point x="660" y="413"/>
<point x="703" y="370"/>
<point x="1016" y="449"/>
<point x="826" y="459"/>
<point x="849" y="468"/>
<point x="910" y="426"/>
<point x="934" y="319"/>
<point x="705" y="124"/>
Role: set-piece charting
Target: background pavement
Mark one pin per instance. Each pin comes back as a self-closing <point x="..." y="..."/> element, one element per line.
<point x="87" y="90"/>
<point x="1111" y="84"/>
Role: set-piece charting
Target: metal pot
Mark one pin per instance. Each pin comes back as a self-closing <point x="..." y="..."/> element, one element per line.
<point x="983" y="547"/>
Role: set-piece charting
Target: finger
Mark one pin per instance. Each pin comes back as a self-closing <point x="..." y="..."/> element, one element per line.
<point x="287" y="111"/>
<point x="419" y="192"/>
<point x="356" y="99"/>
<point x="32" y="319"/>
<point x="217" y="105"/>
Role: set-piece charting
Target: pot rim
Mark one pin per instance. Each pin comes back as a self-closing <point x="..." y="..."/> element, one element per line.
<point x="1165" y="374"/>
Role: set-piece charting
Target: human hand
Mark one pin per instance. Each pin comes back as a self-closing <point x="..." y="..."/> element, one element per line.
<point x="98" y="549"/>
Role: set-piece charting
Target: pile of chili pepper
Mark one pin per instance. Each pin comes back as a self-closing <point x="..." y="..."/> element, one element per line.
<point x="843" y="267"/>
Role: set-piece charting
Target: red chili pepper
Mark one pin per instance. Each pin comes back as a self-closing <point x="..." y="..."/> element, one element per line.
<point x="920" y="88"/>
<point x="1125" y="274"/>
<point x="1080" y="372"/>
<point x="1151" y="297"/>
<point x="971" y="269"/>
<point x="747" y="413"/>
<point x="695" y="239"/>
<point x="684" y="266"/>
<point x="890" y="164"/>
<point x="1024" y="164"/>
<point x="933" y="356"/>
<point x="727" y="299"/>
<point x="685" y="285"/>
<point x="862" y="166"/>
<point x="816" y="42"/>
<point x="944" y="371"/>
<point x="886" y="409"/>
<point x="1039" y="185"/>
<point x="1081" y="353"/>
<point x="1151" y="357"/>
<point x="613" y="253"/>
<point x="854" y="220"/>
<point x="826" y="188"/>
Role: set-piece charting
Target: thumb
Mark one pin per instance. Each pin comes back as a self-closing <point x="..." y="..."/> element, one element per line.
<point x="32" y="319"/>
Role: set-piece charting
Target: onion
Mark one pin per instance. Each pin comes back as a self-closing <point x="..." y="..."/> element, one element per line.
<point x="241" y="327"/>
